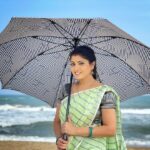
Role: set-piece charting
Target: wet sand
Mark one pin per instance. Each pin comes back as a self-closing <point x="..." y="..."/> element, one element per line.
<point x="19" y="145"/>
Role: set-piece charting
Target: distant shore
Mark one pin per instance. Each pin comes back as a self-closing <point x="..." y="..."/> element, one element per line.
<point x="19" y="145"/>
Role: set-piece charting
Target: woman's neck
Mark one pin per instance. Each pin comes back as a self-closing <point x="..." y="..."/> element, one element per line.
<point x="84" y="84"/>
<point x="87" y="82"/>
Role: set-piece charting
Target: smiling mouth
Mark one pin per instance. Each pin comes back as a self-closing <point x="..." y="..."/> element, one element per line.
<point x="77" y="73"/>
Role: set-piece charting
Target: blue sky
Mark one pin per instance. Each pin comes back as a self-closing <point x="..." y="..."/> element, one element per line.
<point x="132" y="16"/>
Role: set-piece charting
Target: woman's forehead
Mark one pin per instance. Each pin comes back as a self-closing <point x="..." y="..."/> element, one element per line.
<point x="77" y="58"/>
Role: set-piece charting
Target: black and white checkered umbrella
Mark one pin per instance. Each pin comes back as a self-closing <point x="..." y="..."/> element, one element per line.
<point x="34" y="56"/>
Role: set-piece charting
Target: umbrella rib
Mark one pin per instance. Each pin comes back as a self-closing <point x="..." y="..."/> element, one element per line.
<point x="57" y="51"/>
<point x="54" y="24"/>
<point x="29" y="36"/>
<point x="65" y="65"/>
<point x="101" y="37"/>
<point x="112" y="38"/>
<point x="119" y="59"/>
<point x="42" y="53"/>
<point x="60" y="27"/>
<point x="105" y="40"/>
<point x="83" y="38"/>
<point x="53" y="48"/>
<point x="119" y="37"/>
<point x="49" y="41"/>
<point x="49" y="36"/>
<point x="63" y="35"/>
<point x="84" y="29"/>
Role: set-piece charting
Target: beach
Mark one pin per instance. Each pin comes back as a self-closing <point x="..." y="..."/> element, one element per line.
<point x="34" y="123"/>
<point x="23" y="145"/>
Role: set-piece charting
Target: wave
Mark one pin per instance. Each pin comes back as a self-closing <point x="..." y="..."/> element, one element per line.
<point x="26" y="138"/>
<point x="134" y="142"/>
<point x="26" y="108"/>
<point x="11" y="115"/>
<point x="24" y="122"/>
<point x="138" y="143"/>
<point x="136" y="111"/>
<point x="37" y="129"/>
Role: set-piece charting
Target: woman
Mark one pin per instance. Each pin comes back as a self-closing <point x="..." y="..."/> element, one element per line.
<point x="94" y="111"/>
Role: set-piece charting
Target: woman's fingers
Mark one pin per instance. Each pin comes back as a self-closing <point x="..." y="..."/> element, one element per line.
<point x="63" y="141"/>
<point x="62" y="144"/>
<point x="68" y="128"/>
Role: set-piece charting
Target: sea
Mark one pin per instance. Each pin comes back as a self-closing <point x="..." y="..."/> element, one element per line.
<point x="25" y="118"/>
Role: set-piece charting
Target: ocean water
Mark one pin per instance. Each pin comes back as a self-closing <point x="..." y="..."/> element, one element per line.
<point x="25" y="118"/>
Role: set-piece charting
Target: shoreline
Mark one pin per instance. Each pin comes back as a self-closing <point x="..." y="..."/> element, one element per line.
<point x="29" y="145"/>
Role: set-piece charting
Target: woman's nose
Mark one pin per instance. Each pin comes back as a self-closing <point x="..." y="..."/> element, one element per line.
<point x="76" y="68"/>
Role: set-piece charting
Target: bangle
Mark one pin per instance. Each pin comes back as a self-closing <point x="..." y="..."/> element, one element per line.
<point x="57" y="139"/>
<point x="90" y="132"/>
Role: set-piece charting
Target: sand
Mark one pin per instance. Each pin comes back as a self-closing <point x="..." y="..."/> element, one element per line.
<point x="17" y="145"/>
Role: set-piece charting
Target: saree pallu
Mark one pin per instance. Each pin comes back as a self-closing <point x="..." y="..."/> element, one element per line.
<point x="83" y="108"/>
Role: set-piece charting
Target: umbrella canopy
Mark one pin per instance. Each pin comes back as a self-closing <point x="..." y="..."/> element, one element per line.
<point x="34" y="56"/>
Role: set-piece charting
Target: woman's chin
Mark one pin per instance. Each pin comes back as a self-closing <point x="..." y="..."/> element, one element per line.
<point x="78" y="78"/>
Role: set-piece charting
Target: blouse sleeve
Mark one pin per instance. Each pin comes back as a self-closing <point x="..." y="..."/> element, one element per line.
<point x="108" y="100"/>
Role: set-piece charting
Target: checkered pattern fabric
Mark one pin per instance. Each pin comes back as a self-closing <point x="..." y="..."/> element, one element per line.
<point x="82" y="110"/>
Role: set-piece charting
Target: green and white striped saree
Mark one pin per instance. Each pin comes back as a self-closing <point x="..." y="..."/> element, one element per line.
<point x="83" y="108"/>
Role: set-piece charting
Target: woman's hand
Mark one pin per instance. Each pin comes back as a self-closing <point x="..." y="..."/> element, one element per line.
<point x="61" y="144"/>
<point x="69" y="128"/>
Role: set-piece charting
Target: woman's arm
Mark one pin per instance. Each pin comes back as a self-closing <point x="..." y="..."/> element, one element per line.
<point x="61" y="144"/>
<point x="109" y="124"/>
<point x="107" y="129"/>
<point x="56" y="123"/>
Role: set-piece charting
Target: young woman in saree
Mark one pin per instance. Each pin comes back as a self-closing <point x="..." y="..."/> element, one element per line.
<point x="94" y="121"/>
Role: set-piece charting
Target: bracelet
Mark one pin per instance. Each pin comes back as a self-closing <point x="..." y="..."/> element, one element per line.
<point x="90" y="132"/>
<point x="57" y="139"/>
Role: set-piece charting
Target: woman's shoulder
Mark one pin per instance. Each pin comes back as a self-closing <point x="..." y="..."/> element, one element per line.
<point x="110" y="90"/>
<point x="109" y="87"/>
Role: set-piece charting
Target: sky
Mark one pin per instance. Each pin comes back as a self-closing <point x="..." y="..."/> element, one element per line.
<point x="132" y="16"/>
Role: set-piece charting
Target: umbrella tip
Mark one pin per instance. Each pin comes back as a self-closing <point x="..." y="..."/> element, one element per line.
<point x="76" y="41"/>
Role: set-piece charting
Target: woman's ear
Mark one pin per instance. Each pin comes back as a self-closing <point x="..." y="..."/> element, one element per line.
<point x="93" y="64"/>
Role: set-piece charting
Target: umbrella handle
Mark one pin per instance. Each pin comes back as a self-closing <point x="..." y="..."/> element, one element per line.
<point x="65" y="137"/>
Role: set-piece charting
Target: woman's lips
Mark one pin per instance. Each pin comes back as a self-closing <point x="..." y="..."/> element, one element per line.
<point x="77" y="73"/>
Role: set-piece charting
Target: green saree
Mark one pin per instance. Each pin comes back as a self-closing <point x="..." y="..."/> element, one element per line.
<point x="83" y="108"/>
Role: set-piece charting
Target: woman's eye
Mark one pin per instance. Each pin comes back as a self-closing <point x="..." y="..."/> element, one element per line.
<point x="72" y="64"/>
<point x="81" y="63"/>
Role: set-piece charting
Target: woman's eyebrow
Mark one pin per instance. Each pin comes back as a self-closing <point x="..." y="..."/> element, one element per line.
<point x="77" y="61"/>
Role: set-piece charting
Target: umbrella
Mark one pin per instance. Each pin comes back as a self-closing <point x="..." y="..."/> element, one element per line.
<point x="34" y="56"/>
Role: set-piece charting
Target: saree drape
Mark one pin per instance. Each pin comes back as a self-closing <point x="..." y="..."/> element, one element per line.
<point x="83" y="108"/>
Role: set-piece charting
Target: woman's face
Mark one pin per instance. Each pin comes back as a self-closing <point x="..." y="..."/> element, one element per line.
<point x="80" y="67"/>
